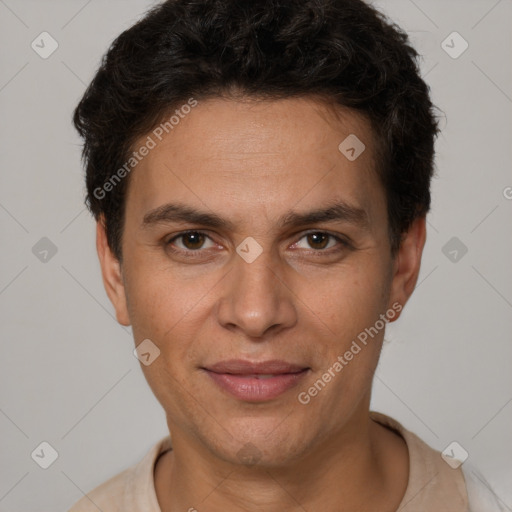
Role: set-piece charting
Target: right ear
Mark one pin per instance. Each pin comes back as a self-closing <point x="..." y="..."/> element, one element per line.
<point x="111" y="273"/>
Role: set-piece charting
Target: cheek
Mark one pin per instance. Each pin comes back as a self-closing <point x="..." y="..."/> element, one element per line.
<point x="350" y="299"/>
<point x="350" y="306"/>
<point x="175" y="314"/>
<point x="169" y="317"/>
<point x="158" y="301"/>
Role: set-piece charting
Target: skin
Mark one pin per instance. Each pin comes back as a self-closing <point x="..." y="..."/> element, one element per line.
<point x="302" y="300"/>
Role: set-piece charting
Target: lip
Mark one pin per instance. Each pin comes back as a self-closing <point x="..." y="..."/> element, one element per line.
<point x="256" y="381"/>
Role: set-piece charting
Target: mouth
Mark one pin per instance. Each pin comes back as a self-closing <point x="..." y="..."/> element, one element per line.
<point x="256" y="382"/>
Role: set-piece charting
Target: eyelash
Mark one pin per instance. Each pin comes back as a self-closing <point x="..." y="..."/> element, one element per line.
<point x="190" y="253"/>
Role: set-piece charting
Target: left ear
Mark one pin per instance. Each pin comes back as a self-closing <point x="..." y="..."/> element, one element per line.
<point x="406" y="267"/>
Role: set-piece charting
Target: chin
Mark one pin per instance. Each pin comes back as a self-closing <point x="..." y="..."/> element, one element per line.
<point x="266" y="442"/>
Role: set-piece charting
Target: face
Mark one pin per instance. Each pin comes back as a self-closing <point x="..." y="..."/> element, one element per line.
<point x="255" y="257"/>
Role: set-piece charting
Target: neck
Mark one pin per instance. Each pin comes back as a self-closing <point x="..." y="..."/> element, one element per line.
<point x="363" y="467"/>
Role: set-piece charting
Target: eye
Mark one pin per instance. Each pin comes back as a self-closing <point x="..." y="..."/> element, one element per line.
<point x="320" y="241"/>
<point x="195" y="243"/>
<point x="190" y="241"/>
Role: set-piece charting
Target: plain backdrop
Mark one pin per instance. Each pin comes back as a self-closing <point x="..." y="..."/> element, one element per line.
<point x="68" y="374"/>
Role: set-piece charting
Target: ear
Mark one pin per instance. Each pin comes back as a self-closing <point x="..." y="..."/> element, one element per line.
<point x="407" y="262"/>
<point x="112" y="274"/>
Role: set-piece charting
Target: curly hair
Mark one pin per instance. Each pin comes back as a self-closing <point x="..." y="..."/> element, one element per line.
<point x="344" y="51"/>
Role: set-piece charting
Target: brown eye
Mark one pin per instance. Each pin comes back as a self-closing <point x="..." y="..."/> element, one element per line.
<point x="193" y="240"/>
<point x="321" y="242"/>
<point x="318" y="240"/>
<point x="189" y="241"/>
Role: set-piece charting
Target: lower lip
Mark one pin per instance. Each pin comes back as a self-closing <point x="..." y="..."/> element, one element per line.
<point x="251" y="389"/>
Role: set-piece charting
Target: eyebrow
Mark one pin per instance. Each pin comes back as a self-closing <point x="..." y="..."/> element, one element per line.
<point x="337" y="212"/>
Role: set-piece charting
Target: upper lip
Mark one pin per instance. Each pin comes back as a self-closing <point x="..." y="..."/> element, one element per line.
<point x="242" y="367"/>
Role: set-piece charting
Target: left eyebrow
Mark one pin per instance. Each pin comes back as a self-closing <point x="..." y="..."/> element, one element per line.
<point x="337" y="212"/>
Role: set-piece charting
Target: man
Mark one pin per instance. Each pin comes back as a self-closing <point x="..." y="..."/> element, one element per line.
<point x="260" y="171"/>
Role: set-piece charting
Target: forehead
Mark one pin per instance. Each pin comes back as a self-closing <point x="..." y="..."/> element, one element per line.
<point x="262" y="157"/>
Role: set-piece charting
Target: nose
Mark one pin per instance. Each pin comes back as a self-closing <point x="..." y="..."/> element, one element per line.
<point x="255" y="299"/>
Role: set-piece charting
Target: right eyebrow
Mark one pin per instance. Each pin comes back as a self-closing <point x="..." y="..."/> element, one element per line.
<point x="175" y="212"/>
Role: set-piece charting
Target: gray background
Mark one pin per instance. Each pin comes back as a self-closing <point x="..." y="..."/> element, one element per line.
<point x="68" y="375"/>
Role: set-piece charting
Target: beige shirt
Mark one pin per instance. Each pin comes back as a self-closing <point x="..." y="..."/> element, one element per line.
<point x="433" y="485"/>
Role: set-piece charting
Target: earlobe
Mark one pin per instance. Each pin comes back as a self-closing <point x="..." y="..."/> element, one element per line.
<point x="111" y="274"/>
<point x="408" y="262"/>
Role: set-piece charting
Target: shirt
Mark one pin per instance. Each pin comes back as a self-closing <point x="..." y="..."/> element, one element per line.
<point x="433" y="485"/>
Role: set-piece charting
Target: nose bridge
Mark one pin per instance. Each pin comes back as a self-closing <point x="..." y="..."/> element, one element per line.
<point x="257" y="279"/>
<point x="254" y="298"/>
